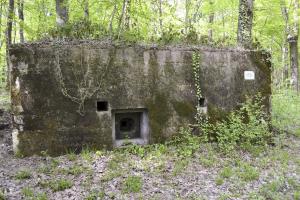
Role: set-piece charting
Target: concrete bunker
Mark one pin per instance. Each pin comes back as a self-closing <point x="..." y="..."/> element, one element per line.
<point x="66" y="95"/>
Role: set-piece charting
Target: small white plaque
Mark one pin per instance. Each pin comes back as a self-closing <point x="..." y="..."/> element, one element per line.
<point x="249" y="75"/>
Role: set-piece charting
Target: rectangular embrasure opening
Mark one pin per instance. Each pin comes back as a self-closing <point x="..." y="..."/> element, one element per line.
<point x="128" y="125"/>
<point x="102" y="106"/>
<point x="202" y="102"/>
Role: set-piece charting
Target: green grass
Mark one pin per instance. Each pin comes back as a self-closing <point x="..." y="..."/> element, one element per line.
<point x="23" y="174"/>
<point x="30" y="194"/>
<point x="74" y="170"/>
<point x="226" y="172"/>
<point x="133" y="184"/>
<point x="285" y="110"/>
<point x="219" y="181"/>
<point x="247" y="172"/>
<point x="87" y="154"/>
<point x="95" y="195"/>
<point x="180" y="166"/>
<point x="2" y="196"/>
<point x="56" y="185"/>
<point x="60" y="185"/>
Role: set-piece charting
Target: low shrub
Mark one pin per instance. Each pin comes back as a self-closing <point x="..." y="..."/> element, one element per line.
<point x="246" y="127"/>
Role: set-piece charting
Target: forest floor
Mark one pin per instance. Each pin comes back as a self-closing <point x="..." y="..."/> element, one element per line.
<point x="155" y="172"/>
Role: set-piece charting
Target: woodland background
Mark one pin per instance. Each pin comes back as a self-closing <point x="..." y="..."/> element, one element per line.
<point x="274" y="28"/>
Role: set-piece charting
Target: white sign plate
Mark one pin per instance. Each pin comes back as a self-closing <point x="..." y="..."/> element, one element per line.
<point x="249" y="75"/>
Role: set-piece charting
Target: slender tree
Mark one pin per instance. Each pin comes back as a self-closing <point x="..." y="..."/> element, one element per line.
<point x="160" y="11"/>
<point x="245" y="21"/>
<point x="122" y="16"/>
<point x="187" y="16"/>
<point x="211" y="21"/>
<point x="21" y="19"/>
<point x="62" y="15"/>
<point x="293" y="44"/>
<point x="10" y="17"/>
<point x="285" y="53"/>
<point x="86" y="9"/>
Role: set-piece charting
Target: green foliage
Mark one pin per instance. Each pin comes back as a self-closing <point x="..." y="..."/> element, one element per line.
<point x="2" y="196"/>
<point x="186" y="143"/>
<point x="219" y="181"/>
<point x="57" y="185"/>
<point x="136" y="150"/>
<point x="23" y="174"/>
<point x="243" y="128"/>
<point x="285" y="111"/>
<point x="179" y="167"/>
<point x="133" y="184"/>
<point x="29" y="194"/>
<point x="226" y="172"/>
<point x="86" y="154"/>
<point x="95" y="195"/>
<point x="248" y="172"/>
<point x="74" y="170"/>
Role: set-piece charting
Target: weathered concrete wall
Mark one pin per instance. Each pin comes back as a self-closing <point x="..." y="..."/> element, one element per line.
<point x="55" y="87"/>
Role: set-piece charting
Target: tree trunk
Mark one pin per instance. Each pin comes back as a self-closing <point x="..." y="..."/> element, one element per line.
<point x="86" y="9"/>
<point x="127" y="15"/>
<point x="10" y="16"/>
<point x="21" y="18"/>
<point x="160" y="16"/>
<point x="244" y="34"/>
<point x="293" y="41"/>
<point x="121" y="19"/>
<point x="187" y="18"/>
<point x="285" y="52"/>
<point x="211" y="21"/>
<point x="294" y="62"/>
<point x="112" y="20"/>
<point x="62" y="16"/>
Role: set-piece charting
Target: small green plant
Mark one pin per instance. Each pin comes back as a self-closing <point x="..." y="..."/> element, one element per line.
<point x="41" y="196"/>
<point x="219" y="181"/>
<point x="180" y="165"/>
<point x="31" y="195"/>
<point x="94" y="195"/>
<point x="60" y="185"/>
<point x="272" y="190"/>
<point x="226" y="172"/>
<point x="28" y="192"/>
<point x="297" y="195"/>
<point x="74" y="170"/>
<point x="248" y="173"/>
<point x="136" y="150"/>
<point x="54" y="163"/>
<point x="71" y="155"/>
<point x="186" y="143"/>
<point x="133" y="184"/>
<point x="2" y="196"/>
<point x="23" y="174"/>
<point x="110" y="175"/>
<point x="243" y="128"/>
<point x="86" y="154"/>
<point x="44" y="169"/>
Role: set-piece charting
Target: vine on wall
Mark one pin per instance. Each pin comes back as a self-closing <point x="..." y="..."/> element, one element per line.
<point x="87" y="83"/>
<point x="196" y="72"/>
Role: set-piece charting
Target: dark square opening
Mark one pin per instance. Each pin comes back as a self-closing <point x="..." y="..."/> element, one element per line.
<point x="202" y="102"/>
<point x="102" y="106"/>
<point x="128" y="125"/>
